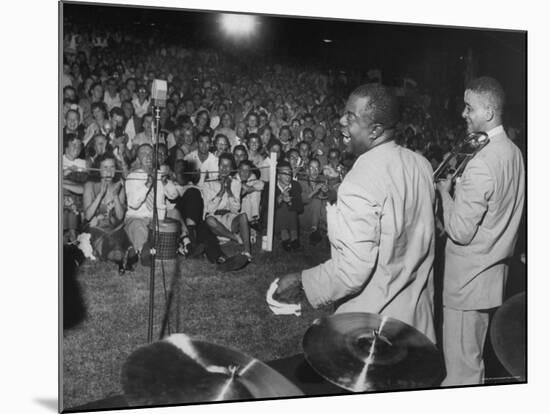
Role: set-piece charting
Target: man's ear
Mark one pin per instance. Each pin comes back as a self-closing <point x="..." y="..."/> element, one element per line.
<point x="489" y="113"/>
<point x="377" y="131"/>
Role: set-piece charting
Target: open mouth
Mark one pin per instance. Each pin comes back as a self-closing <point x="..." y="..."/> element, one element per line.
<point x="346" y="136"/>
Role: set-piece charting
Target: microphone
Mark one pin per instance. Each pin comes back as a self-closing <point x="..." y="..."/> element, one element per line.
<point x="159" y="91"/>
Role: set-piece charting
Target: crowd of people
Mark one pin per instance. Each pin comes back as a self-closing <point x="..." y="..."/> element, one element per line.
<point x="221" y="121"/>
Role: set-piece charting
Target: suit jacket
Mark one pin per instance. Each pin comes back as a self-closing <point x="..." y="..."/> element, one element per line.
<point x="482" y="225"/>
<point x="295" y="193"/>
<point x="381" y="232"/>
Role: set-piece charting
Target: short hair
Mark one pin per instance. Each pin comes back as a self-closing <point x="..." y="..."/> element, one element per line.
<point x="286" y="128"/>
<point x="74" y="111"/>
<point x="290" y="151"/>
<point x="203" y="134"/>
<point x="227" y="156"/>
<point x="107" y="155"/>
<point x="101" y="106"/>
<point x="248" y="163"/>
<point x="272" y="142"/>
<point x="116" y="111"/>
<point x="240" y="147"/>
<point x="382" y="105"/>
<point x="143" y="146"/>
<point x="68" y="87"/>
<point x="68" y="139"/>
<point x="92" y="86"/>
<point x="491" y="88"/>
<point x="307" y="129"/>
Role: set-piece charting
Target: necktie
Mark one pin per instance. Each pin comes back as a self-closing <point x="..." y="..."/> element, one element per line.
<point x="149" y="201"/>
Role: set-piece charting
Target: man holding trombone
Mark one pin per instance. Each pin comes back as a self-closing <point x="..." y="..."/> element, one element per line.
<point x="481" y="221"/>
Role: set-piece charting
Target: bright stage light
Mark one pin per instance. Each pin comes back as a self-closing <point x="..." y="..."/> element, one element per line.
<point x="238" y="24"/>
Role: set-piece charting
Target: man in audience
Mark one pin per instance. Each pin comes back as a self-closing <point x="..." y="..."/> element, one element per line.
<point x="140" y="197"/>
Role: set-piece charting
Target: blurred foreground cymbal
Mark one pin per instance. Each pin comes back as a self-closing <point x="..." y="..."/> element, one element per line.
<point x="367" y="352"/>
<point x="180" y="369"/>
<point x="509" y="336"/>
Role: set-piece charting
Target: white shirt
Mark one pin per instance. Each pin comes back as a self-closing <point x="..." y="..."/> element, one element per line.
<point x="212" y="202"/>
<point x="210" y="164"/>
<point x="77" y="162"/>
<point x="111" y="101"/>
<point x="140" y="109"/>
<point x="137" y="192"/>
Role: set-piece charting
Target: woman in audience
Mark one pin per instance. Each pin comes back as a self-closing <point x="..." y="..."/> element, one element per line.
<point x="104" y="209"/>
<point x="99" y="114"/>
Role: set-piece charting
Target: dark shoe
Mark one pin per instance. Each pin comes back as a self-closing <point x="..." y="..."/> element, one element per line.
<point x="315" y="237"/>
<point x="121" y="268"/>
<point x="196" y="250"/>
<point x="286" y="245"/>
<point x="221" y="259"/>
<point x="131" y="259"/>
<point x="295" y="244"/>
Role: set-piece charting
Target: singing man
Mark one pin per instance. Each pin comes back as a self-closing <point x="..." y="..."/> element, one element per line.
<point x="381" y="229"/>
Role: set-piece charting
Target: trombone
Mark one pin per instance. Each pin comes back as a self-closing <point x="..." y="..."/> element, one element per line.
<point x="462" y="154"/>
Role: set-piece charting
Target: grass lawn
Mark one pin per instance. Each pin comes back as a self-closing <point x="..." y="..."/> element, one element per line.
<point x="227" y="309"/>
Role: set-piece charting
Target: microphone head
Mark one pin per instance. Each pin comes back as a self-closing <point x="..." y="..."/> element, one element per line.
<point x="159" y="91"/>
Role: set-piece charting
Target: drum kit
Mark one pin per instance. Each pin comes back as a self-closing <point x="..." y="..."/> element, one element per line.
<point x="357" y="352"/>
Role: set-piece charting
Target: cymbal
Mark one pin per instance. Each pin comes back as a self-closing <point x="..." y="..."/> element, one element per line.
<point x="509" y="336"/>
<point x="180" y="369"/>
<point x="367" y="352"/>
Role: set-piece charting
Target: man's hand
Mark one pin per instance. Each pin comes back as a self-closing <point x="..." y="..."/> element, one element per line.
<point x="149" y="181"/>
<point x="286" y="196"/>
<point x="444" y="186"/>
<point x="289" y="289"/>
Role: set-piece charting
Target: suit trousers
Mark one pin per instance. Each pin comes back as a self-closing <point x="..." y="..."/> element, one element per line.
<point x="464" y="333"/>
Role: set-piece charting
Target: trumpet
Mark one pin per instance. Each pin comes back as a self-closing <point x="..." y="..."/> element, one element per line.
<point x="462" y="153"/>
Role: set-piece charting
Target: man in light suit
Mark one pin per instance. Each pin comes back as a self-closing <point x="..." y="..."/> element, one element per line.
<point x="381" y="229"/>
<point x="481" y="222"/>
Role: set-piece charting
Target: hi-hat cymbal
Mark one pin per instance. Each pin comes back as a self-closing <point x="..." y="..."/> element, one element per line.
<point x="367" y="352"/>
<point x="509" y="337"/>
<point x="180" y="369"/>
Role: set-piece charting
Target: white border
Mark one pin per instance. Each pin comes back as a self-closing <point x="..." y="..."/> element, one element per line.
<point x="29" y="314"/>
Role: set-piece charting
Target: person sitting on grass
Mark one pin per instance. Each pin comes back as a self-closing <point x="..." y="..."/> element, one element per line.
<point x="314" y="196"/>
<point x="74" y="176"/>
<point x="223" y="205"/>
<point x="104" y="210"/>
<point x="288" y="205"/>
<point x="251" y="194"/>
<point x="190" y="205"/>
<point x="139" y="193"/>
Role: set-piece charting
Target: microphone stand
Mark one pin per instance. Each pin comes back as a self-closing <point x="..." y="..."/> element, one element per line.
<point x="156" y="125"/>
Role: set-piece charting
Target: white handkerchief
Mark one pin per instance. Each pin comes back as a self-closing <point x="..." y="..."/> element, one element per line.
<point x="279" y="308"/>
